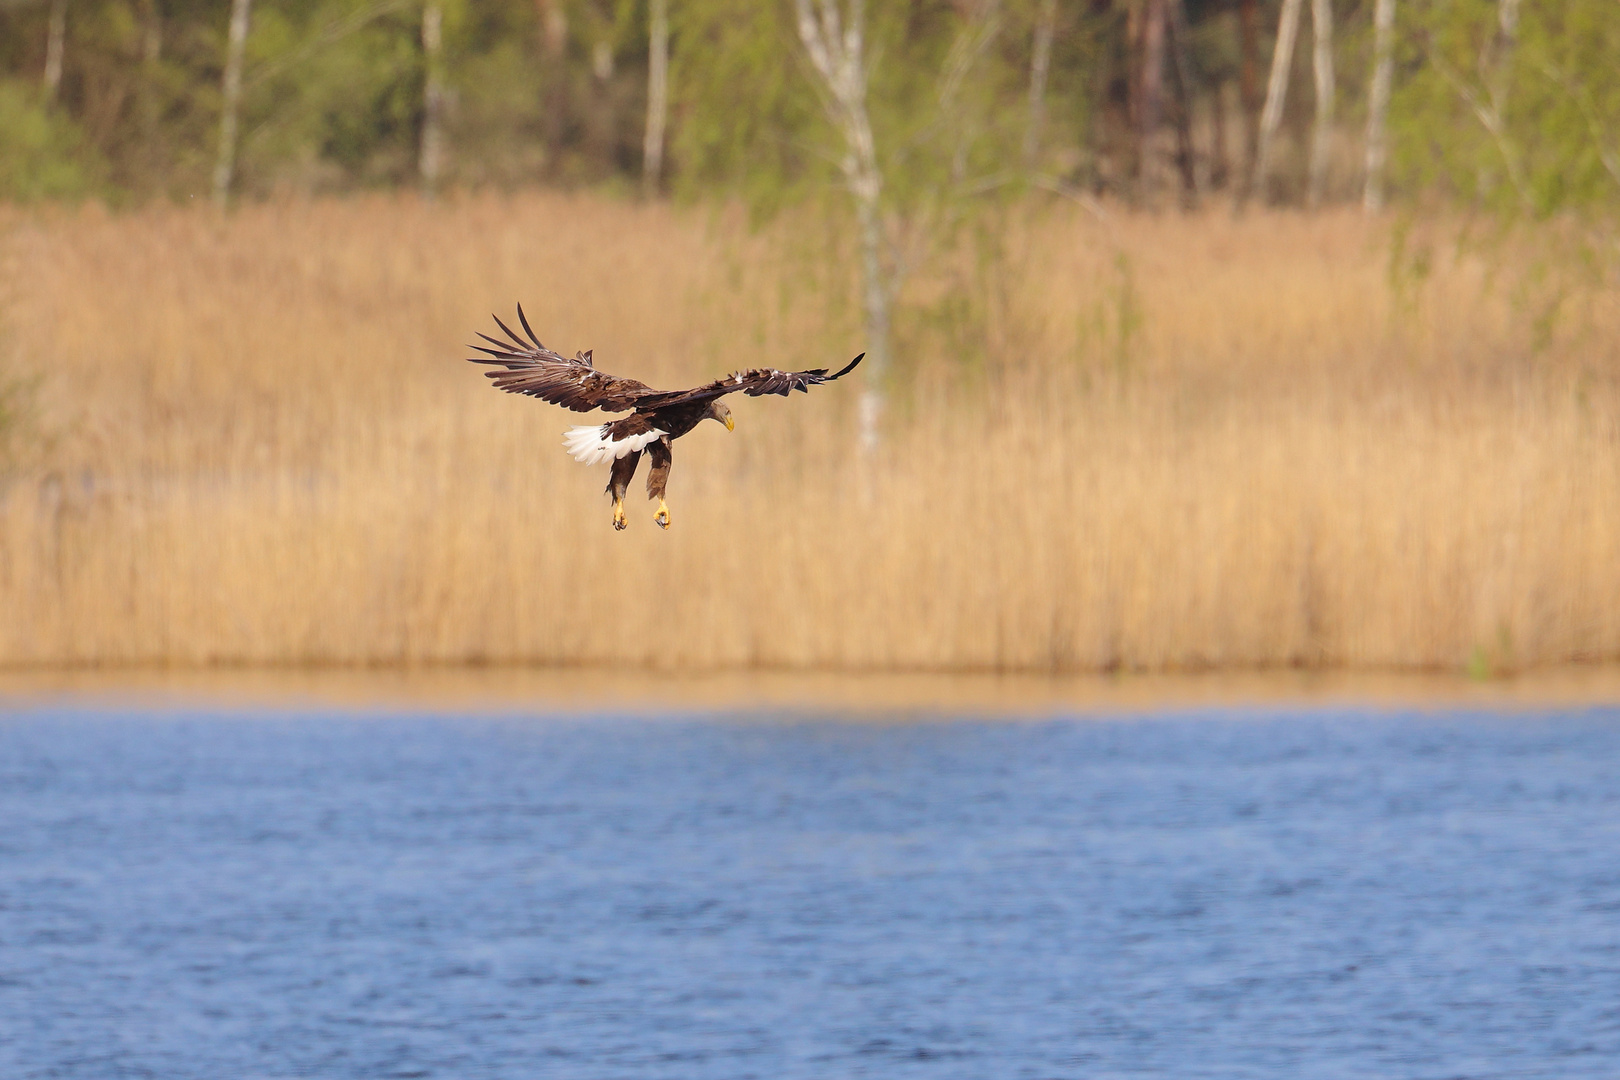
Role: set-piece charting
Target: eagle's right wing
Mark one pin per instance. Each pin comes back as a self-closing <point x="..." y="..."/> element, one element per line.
<point x="539" y="372"/>
<point x="753" y="382"/>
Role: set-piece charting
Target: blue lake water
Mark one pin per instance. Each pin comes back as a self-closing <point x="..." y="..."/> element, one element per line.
<point x="1224" y="895"/>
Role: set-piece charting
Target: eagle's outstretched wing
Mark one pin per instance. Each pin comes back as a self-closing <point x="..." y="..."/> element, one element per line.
<point x="753" y="382"/>
<point x="539" y="372"/>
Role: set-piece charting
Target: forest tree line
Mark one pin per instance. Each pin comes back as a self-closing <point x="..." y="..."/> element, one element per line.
<point x="1508" y="103"/>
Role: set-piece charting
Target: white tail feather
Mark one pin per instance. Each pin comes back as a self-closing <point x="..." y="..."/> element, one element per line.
<point x="591" y="445"/>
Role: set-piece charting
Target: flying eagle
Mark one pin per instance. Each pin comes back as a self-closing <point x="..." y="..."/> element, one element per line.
<point x="657" y="417"/>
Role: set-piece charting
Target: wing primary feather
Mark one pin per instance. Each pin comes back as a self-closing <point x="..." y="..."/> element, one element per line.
<point x="508" y="330"/>
<point x="524" y="319"/>
<point x="506" y="360"/>
<point x="848" y="367"/>
<point x="504" y="346"/>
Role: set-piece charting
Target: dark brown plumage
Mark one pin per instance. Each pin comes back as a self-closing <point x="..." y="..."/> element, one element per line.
<point x="657" y="417"/>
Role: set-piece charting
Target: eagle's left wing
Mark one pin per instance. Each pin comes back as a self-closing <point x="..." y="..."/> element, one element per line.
<point x="753" y="382"/>
<point x="574" y="383"/>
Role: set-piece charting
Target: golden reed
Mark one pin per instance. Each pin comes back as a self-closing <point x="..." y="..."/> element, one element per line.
<point x="1140" y="442"/>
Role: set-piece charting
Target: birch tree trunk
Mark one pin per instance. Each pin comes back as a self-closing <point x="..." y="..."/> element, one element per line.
<point x="553" y="27"/>
<point x="1186" y="160"/>
<point x="1507" y="18"/>
<point x="55" y="42"/>
<point x="1151" y="97"/>
<point x="1322" y="130"/>
<point x="1040" y="65"/>
<point x="1507" y="25"/>
<point x="835" y="43"/>
<point x="432" y="149"/>
<point x="1372" y="199"/>
<point x="1276" y="92"/>
<point x="652" y="146"/>
<point x="553" y="85"/>
<point x="151" y="33"/>
<point x="1249" y="89"/>
<point x="231" y="98"/>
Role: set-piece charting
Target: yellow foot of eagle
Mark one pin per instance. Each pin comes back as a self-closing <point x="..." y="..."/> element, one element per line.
<point x="619" y="520"/>
<point x="662" y="517"/>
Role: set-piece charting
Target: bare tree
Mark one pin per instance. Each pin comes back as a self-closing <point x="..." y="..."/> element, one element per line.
<point x="1490" y="105"/>
<point x="1322" y="68"/>
<point x="1507" y="24"/>
<point x="1150" y="96"/>
<point x="835" y="43"/>
<point x="151" y="32"/>
<point x="432" y="149"/>
<point x="1497" y="58"/>
<point x="1176" y="16"/>
<point x="553" y="22"/>
<point x="231" y="96"/>
<point x="1220" y="162"/>
<point x="1276" y="92"/>
<point x="1372" y="198"/>
<point x="652" y="146"/>
<point x="1249" y="87"/>
<point x="977" y="34"/>
<point x="553" y="27"/>
<point x="55" y="42"/>
<point x="1040" y="65"/>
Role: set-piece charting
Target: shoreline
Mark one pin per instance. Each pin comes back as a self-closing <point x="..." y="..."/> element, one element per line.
<point x="592" y="691"/>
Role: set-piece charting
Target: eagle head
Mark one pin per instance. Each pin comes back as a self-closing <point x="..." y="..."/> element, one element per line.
<point x="718" y="410"/>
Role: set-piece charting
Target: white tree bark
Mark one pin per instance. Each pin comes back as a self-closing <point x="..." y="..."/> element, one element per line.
<point x="602" y="61"/>
<point x="1322" y="130"/>
<point x="431" y="161"/>
<point x="55" y="42"/>
<point x="152" y="35"/>
<point x="1507" y="17"/>
<point x="1507" y="22"/>
<point x="1276" y="91"/>
<point x="652" y="146"/>
<point x="835" y="43"/>
<point x="1372" y="199"/>
<point x="1040" y="66"/>
<point x="553" y="27"/>
<point x="231" y="99"/>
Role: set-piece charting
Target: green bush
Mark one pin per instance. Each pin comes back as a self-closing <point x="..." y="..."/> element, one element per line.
<point x="42" y="153"/>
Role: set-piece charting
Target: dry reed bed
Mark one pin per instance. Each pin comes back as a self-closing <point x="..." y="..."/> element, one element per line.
<point x="1189" y="442"/>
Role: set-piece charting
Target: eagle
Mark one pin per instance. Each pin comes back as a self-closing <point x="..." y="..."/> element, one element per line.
<point x="657" y="417"/>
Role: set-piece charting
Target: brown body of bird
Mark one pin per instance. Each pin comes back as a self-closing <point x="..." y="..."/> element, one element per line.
<point x="657" y="417"/>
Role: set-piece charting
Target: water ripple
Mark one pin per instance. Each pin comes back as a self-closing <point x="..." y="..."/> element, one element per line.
<point x="1318" y="896"/>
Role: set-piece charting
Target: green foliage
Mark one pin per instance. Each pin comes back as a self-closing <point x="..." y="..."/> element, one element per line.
<point x="1525" y="124"/>
<point x="333" y="98"/>
<point x="749" y="120"/>
<point x="346" y="109"/>
<point x="947" y="97"/>
<point x="42" y="153"/>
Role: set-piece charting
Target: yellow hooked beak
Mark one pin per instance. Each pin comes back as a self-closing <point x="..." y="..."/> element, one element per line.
<point x="731" y="425"/>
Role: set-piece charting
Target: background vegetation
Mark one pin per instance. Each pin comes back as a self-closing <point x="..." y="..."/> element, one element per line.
<point x="1494" y="101"/>
<point x="1183" y="442"/>
<point x="1123" y="426"/>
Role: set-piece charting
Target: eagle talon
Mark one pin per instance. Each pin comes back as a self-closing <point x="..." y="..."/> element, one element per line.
<point x="619" y="520"/>
<point x="662" y="517"/>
